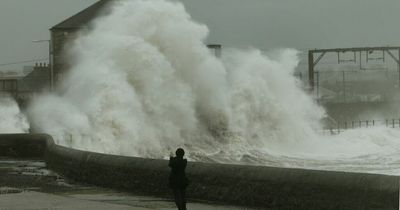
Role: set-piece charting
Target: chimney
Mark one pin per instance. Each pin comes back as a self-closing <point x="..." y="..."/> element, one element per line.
<point x="217" y="48"/>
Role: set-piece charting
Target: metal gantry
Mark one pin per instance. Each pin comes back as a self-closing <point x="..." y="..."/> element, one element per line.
<point x="393" y="52"/>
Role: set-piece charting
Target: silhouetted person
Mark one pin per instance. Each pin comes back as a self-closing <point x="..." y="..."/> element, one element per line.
<point x="177" y="179"/>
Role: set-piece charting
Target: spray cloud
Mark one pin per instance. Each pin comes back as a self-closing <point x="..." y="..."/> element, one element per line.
<point x="12" y="120"/>
<point x="143" y="83"/>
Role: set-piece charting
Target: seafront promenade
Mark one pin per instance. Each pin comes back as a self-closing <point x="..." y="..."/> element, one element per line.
<point x="27" y="184"/>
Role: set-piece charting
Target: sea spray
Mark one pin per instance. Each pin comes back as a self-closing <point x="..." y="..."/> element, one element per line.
<point x="142" y="83"/>
<point x="12" y="120"/>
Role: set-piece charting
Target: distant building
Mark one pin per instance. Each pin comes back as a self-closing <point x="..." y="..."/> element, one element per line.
<point x="27" y="69"/>
<point x="36" y="80"/>
<point x="22" y="85"/>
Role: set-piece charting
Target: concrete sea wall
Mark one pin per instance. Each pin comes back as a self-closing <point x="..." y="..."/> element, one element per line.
<point x="258" y="186"/>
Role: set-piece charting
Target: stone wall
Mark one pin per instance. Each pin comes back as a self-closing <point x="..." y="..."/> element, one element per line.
<point x="24" y="145"/>
<point x="258" y="186"/>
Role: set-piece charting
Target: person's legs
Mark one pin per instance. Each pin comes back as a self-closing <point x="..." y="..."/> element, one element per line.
<point x="183" y="195"/>
<point x="178" y="199"/>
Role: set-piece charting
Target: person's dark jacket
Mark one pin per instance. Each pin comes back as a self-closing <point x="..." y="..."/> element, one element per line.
<point x="177" y="178"/>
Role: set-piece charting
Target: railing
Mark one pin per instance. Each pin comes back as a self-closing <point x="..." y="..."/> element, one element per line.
<point x="339" y="127"/>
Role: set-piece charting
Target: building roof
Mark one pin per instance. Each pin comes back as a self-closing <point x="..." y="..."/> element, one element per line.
<point x="83" y="17"/>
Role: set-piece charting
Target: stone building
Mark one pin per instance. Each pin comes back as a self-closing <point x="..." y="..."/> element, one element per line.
<point x="67" y="30"/>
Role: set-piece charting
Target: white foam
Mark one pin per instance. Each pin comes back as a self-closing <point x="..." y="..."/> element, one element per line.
<point x="11" y="118"/>
<point x="143" y="83"/>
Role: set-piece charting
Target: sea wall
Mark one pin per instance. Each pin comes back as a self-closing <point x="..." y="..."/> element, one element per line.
<point x="24" y="145"/>
<point x="258" y="186"/>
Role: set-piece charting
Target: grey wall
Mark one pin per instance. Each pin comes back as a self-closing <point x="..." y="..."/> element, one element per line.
<point x="266" y="187"/>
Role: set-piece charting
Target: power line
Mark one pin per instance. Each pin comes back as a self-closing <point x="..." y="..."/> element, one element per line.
<point x="21" y="62"/>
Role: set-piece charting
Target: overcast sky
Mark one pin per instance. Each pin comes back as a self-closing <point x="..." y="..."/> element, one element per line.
<point x="265" y="24"/>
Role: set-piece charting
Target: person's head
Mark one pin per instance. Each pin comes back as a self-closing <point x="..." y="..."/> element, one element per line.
<point x="180" y="152"/>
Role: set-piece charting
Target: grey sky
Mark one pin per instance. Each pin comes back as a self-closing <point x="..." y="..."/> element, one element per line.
<point x="22" y="21"/>
<point x="300" y="23"/>
<point x="264" y="24"/>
